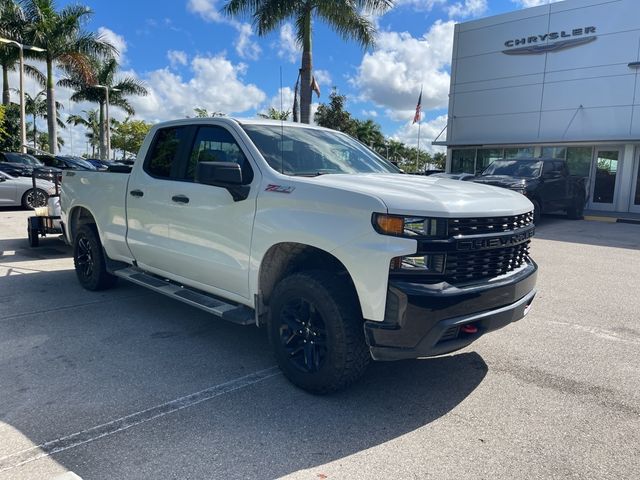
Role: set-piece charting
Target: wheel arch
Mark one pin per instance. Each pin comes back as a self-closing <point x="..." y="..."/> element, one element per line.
<point x="78" y="216"/>
<point x="286" y="258"/>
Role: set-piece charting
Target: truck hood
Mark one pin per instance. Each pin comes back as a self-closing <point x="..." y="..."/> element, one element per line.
<point x="417" y="195"/>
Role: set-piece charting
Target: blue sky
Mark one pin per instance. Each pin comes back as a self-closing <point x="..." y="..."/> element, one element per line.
<point x="190" y="55"/>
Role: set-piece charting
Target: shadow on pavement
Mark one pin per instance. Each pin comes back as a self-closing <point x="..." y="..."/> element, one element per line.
<point x="603" y="234"/>
<point x="97" y="356"/>
<point x="18" y="249"/>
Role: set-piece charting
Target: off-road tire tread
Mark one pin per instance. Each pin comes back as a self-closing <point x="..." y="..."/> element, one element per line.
<point x="338" y="289"/>
<point x="103" y="280"/>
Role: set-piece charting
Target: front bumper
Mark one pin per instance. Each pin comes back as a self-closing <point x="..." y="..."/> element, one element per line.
<point x="424" y="320"/>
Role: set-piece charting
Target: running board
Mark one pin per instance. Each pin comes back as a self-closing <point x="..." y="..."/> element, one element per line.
<point x="233" y="313"/>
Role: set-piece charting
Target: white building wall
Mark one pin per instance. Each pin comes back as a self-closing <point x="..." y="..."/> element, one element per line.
<point x="587" y="93"/>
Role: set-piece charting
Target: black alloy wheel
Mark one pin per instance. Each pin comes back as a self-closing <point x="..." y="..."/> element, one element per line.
<point x="84" y="258"/>
<point x="89" y="259"/>
<point x="303" y="335"/>
<point x="316" y="331"/>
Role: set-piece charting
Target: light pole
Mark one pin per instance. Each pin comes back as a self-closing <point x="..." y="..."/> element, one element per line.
<point x="21" y="47"/>
<point x="106" y="90"/>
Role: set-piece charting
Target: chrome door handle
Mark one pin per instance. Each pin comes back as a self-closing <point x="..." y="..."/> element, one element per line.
<point x="180" y="199"/>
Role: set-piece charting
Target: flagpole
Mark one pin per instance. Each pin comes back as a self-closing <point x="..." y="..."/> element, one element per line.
<point x="418" y="152"/>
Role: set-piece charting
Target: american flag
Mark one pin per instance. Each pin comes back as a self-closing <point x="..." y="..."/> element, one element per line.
<point x="416" y="117"/>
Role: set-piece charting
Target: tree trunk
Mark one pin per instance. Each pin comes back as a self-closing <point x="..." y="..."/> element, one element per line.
<point x="103" y="139"/>
<point x="51" y="109"/>
<point x="305" y="71"/>
<point x="35" y="131"/>
<point x="6" y="96"/>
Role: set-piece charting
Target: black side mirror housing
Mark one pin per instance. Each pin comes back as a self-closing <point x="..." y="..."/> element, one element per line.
<point x="223" y="174"/>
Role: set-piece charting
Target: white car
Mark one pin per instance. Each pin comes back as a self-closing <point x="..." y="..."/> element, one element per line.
<point x="19" y="191"/>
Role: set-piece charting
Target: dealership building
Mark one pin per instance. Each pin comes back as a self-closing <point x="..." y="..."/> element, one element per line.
<point x="559" y="80"/>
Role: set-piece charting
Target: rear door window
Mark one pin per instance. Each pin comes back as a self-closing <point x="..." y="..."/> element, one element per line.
<point x="164" y="157"/>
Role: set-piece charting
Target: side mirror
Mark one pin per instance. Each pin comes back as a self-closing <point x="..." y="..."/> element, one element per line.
<point x="223" y="174"/>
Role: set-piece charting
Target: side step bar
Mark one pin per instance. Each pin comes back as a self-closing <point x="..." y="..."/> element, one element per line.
<point x="233" y="313"/>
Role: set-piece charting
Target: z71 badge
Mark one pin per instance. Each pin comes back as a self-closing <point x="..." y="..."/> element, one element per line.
<point x="279" y="188"/>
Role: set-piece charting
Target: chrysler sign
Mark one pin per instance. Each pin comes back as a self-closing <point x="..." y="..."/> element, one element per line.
<point x="550" y="42"/>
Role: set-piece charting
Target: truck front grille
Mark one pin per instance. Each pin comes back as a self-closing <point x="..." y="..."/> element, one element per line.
<point x="468" y="266"/>
<point x="481" y="225"/>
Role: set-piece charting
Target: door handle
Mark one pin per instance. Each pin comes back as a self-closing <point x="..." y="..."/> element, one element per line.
<point x="136" y="193"/>
<point x="180" y="199"/>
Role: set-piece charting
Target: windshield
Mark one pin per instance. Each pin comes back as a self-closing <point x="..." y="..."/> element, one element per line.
<point x="515" y="168"/>
<point x="23" y="158"/>
<point x="303" y="151"/>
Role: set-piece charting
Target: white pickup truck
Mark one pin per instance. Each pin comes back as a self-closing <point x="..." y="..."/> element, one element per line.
<point x="305" y="231"/>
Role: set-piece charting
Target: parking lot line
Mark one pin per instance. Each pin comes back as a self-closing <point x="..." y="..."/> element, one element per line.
<point x="73" y="440"/>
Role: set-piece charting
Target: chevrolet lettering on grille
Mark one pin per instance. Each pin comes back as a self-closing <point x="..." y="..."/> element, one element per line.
<point x="495" y="242"/>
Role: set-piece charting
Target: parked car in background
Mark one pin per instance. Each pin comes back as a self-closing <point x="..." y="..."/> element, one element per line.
<point x="16" y="169"/>
<point x="19" y="191"/>
<point x="455" y="176"/>
<point x="545" y="181"/>
<point x="64" y="162"/>
<point x="99" y="164"/>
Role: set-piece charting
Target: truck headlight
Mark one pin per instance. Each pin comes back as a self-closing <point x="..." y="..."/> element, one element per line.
<point x="430" y="263"/>
<point x="409" y="227"/>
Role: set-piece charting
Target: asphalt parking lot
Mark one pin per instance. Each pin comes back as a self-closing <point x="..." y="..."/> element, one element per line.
<point x="128" y="384"/>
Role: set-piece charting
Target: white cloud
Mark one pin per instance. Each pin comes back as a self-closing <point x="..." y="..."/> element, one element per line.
<point x="392" y="75"/>
<point x="117" y="41"/>
<point x="287" y="99"/>
<point x="429" y="130"/>
<point x="370" y="113"/>
<point x="216" y="85"/>
<point x="323" y="77"/>
<point x="209" y="10"/>
<point x="177" y="57"/>
<point x="455" y="9"/>
<point x="532" y="3"/>
<point x="287" y="45"/>
<point x="468" y="8"/>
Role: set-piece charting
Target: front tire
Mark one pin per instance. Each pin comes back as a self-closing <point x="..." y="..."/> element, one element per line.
<point x="89" y="261"/>
<point x="316" y="331"/>
<point x="34" y="198"/>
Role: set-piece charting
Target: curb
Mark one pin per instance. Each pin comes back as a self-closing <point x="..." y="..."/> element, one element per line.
<point x="595" y="218"/>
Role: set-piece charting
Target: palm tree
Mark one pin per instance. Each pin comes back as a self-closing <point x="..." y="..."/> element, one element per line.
<point x="90" y="121"/>
<point x="12" y="25"/>
<point x="275" y="114"/>
<point x="369" y="133"/>
<point x="65" y="44"/>
<point x="37" y="107"/>
<point x="103" y="73"/>
<point x="347" y="17"/>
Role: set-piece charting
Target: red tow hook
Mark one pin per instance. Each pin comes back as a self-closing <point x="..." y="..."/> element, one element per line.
<point x="469" y="328"/>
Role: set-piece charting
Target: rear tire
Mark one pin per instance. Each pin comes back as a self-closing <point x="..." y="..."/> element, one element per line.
<point x="89" y="261"/>
<point x="316" y="331"/>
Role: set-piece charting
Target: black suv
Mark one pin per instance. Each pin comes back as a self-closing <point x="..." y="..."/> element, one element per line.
<point x="544" y="181"/>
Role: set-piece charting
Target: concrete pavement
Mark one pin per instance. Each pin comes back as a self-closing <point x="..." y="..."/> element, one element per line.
<point x="129" y="384"/>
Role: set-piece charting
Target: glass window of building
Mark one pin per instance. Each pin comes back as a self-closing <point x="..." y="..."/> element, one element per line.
<point x="524" y="152"/>
<point x="579" y="160"/>
<point x="554" y="152"/>
<point x="486" y="156"/>
<point x="463" y="160"/>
